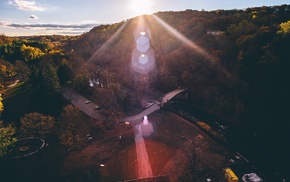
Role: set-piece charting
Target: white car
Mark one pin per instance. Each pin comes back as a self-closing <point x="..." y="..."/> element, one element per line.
<point x="97" y="107"/>
<point x="251" y="177"/>
<point x="87" y="101"/>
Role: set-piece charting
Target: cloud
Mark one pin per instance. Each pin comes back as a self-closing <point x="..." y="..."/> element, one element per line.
<point x="4" y="23"/>
<point x="56" y="28"/>
<point x="32" y="17"/>
<point x="26" y="5"/>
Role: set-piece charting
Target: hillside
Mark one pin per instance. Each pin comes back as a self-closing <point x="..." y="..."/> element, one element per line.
<point x="241" y="77"/>
<point x="234" y="64"/>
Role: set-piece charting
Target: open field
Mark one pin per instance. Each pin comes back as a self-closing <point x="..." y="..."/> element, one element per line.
<point x="174" y="143"/>
<point x="176" y="148"/>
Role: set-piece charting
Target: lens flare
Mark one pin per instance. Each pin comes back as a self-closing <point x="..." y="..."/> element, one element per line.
<point x="145" y="120"/>
<point x="143" y="62"/>
<point x="143" y="44"/>
<point x="141" y="31"/>
<point x="184" y="39"/>
<point x="109" y="42"/>
<point x="144" y="129"/>
<point x="142" y="38"/>
<point x="144" y="167"/>
<point x="143" y="59"/>
<point x="140" y="7"/>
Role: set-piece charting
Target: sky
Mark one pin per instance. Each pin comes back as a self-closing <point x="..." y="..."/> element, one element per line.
<point x="74" y="17"/>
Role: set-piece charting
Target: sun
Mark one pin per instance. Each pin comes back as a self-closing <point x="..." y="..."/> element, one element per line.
<point x="141" y="7"/>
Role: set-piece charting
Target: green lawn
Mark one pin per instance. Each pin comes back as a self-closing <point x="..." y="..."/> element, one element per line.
<point x="19" y="100"/>
<point x="16" y="102"/>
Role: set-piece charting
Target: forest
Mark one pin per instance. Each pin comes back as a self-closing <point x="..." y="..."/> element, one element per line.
<point x="244" y="79"/>
<point x="241" y="80"/>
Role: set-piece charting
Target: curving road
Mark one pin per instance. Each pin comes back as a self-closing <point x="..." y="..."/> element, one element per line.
<point x="89" y="109"/>
<point x="79" y="101"/>
<point x="171" y="94"/>
<point x="151" y="109"/>
<point x="156" y="106"/>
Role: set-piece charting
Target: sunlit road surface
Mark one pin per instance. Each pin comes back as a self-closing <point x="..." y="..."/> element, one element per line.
<point x="155" y="106"/>
<point x="144" y="167"/>
<point x="171" y="94"/>
<point x="146" y="112"/>
<point x="79" y="102"/>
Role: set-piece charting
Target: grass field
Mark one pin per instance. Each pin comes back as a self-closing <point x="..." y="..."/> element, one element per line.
<point x="177" y="148"/>
<point x="19" y="100"/>
<point x="16" y="102"/>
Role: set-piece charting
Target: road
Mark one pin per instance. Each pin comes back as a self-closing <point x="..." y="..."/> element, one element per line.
<point x="79" y="101"/>
<point x="171" y="94"/>
<point x="240" y="168"/>
<point x="155" y="106"/>
<point x="146" y="112"/>
<point x="145" y="172"/>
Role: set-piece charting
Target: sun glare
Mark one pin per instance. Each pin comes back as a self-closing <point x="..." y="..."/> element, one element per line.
<point x="141" y="7"/>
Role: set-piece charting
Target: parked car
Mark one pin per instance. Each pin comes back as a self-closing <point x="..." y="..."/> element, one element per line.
<point x="87" y="101"/>
<point x="230" y="176"/>
<point x="251" y="177"/>
<point x="97" y="107"/>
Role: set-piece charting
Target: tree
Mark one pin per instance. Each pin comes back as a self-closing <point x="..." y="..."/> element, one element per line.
<point x="110" y="119"/>
<point x="50" y="81"/>
<point x="6" y="138"/>
<point x="72" y="129"/>
<point x="243" y="28"/>
<point x="64" y="73"/>
<point x="107" y="98"/>
<point x="37" y="124"/>
<point x="6" y="134"/>
<point x="23" y="70"/>
<point x="7" y="71"/>
<point x="81" y="83"/>
<point x="285" y="28"/>
<point x="35" y="78"/>
<point x="30" y="53"/>
<point x="1" y="105"/>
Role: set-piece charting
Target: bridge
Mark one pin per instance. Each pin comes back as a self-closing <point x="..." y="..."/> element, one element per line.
<point x="79" y="101"/>
<point x="171" y="94"/>
<point x="156" y="106"/>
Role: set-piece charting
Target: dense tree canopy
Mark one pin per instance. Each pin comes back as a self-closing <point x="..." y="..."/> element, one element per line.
<point x="247" y="59"/>
<point x="235" y="65"/>
<point x="6" y="138"/>
<point x="30" y="53"/>
<point x="1" y="104"/>
<point x="72" y="130"/>
<point x="236" y="74"/>
<point x="50" y="80"/>
<point x="37" y="124"/>
<point x="285" y="27"/>
<point x="7" y="72"/>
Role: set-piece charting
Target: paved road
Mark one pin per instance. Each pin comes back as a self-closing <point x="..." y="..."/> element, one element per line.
<point x="155" y="106"/>
<point x="79" y="101"/>
<point x="146" y="112"/>
<point x="171" y="94"/>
